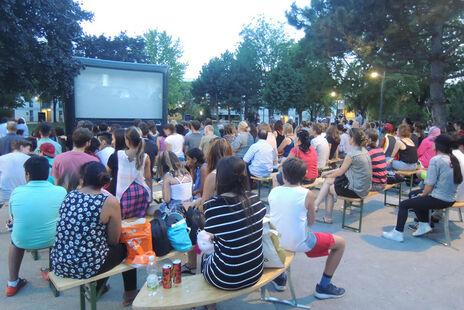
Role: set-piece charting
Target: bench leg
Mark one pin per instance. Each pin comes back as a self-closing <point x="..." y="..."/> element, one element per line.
<point x="460" y="214"/>
<point x="93" y="295"/>
<point x="346" y="205"/>
<point x="387" y="204"/>
<point x="82" y="296"/>
<point x="446" y="228"/>
<point x="35" y="254"/>
<point x="55" y="292"/>
<point x="293" y="302"/>
<point x="344" y="213"/>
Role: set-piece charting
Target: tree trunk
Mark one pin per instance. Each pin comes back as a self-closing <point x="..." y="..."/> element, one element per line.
<point x="300" y="116"/>
<point x="228" y="111"/>
<point x="54" y="110"/>
<point x="437" y="78"/>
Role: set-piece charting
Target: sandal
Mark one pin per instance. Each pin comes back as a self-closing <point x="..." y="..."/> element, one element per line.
<point x="45" y="272"/>
<point x="323" y="220"/>
<point x="188" y="269"/>
<point x="128" y="298"/>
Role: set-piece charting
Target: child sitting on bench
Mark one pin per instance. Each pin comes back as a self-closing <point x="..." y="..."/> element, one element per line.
<point x="292" y="213"/>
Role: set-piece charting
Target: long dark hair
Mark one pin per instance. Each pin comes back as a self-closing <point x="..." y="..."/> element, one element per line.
<point x="445" y="144"/>
<point x="305" y="141"/>
<point x="120" y="140"/>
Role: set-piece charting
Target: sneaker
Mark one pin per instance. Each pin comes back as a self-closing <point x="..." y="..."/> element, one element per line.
<point x="331" y="291"/>
<point x="12" y="290"/>
<point x="423" y="229"/>
<point x="393" y="235"/>
<point x="280" y="282"/>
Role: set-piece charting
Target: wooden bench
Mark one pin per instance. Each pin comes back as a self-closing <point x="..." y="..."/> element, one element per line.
<point x="410" y="175"/>
<point x="267" y="180"/>
<point x="446" y="220"/>
<point x="59" y="284"/>
<point x="194" y="291"/>
<point x="358" y="203"/>
<point x="316" y="183"/>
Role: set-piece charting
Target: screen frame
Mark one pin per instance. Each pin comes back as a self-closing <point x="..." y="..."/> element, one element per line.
<point x="70" y="107"/>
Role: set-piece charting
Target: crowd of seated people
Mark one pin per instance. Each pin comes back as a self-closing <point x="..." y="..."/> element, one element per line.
<point x="198" y="166"/>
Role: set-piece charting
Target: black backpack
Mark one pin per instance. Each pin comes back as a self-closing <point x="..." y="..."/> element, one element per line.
<point x="159" y="234"/>
<point x="195" y="221"/>
<point x="394" y="178"/>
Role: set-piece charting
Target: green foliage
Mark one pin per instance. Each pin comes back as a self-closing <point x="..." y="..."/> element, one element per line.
<point x="119" y="48"/>
<point x="419" y="38"/>
<point x="36" y="44"/>
<point x="162" y="49"/>
<point x="455" y="95"/>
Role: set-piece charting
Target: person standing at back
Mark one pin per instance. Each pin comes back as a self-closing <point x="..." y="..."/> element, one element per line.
<point x="5" y="142"/>
<point x="66" y="166"/>
<point x="105" y="150"/>
<point x="23" y="126"/>
<point x="45" y="131"/>
<point x="193" y="139"/>
<point x="134" y="186"/>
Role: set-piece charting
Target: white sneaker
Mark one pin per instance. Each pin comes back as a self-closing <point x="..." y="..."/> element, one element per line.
<point x="393" y="235"/>
<point x="422" y="229"/>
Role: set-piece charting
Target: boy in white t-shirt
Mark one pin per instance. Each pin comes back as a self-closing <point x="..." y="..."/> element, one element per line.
<point x="292" y="213"/>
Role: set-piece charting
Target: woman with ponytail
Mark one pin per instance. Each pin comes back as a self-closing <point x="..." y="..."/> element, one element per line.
<point x="443" y="177"/>
<point x="134" y="184"/>
<point x="353" y="179"/>
<point x="87" y="234"/>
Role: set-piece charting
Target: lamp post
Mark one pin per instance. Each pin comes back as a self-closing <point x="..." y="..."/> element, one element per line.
<point x="382" y="92"/>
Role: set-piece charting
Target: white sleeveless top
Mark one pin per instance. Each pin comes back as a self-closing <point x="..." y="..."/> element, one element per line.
<point x="181" y="191"/>
<point x="128" y="174"/>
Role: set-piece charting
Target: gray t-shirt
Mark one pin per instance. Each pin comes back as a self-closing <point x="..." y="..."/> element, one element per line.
<point x="359" y="174"/>
<point x="440" y="176"/>
<point x="193" y="140"/>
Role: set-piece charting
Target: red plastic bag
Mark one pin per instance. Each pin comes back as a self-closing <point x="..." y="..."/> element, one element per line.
<point x="137" y="237"/>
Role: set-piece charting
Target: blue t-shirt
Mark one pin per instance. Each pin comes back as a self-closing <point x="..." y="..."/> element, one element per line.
<point x="440" y="176"/>
<point x="35" y="210"/>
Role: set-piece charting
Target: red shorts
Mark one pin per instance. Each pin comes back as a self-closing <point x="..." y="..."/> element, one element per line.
<point x="323" y="244"/>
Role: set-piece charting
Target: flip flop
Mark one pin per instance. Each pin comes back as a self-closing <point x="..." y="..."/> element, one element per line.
<point x="45" y="273"/>
<point x="323" y="220"/>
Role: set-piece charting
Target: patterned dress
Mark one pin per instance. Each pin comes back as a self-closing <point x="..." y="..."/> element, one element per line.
<point x="81" y="245"/>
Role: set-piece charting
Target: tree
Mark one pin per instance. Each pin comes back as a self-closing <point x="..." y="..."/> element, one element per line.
<point x="419" y="38"/>
<point x="119" y="48"/>
<point x="36" y="40"/>
<point x="162" y="49"/>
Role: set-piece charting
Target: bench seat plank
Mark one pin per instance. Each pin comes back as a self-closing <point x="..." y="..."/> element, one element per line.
<point x="194" y="291"/>
<point x="63" y="284"/>
<point x="458" y="205"/>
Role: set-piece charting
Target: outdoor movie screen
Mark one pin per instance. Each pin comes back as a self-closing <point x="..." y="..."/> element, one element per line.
<point x="119" y="92"/>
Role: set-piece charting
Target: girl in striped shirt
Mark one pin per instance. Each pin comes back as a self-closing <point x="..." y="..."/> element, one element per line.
<point x="234" y="220"/>
<point x="379" y="165"/>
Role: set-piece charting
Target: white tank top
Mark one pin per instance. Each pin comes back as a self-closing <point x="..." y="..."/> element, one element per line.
<point x="181" y="191"/>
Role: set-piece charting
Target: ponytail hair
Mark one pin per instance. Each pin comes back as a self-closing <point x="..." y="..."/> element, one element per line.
<point x="359" y="137"/>
<point x="445" y="144"/>
<point x="134" y="136"/>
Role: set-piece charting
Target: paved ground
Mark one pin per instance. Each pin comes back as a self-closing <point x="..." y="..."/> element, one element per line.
<point x="377" y="273"/>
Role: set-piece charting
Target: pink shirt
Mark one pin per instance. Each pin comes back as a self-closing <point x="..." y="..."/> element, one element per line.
<point x="425" y="151"/>
<point x="70" y="162"/>
<point x="310" y="158"/>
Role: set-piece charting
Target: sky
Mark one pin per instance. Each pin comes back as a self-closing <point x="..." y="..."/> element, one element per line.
<point x="206" y="28"/>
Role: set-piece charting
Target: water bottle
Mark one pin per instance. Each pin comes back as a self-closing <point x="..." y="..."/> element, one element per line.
<point x="152" y="278"/>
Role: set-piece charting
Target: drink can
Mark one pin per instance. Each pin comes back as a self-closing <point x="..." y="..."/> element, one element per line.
<point x="177" y="271"/>
<point x="167" y="276"/>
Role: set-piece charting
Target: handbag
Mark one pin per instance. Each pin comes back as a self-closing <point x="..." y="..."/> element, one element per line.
<point x="178" y="232"/>
<point x="274" y="256"/>
<point x="394" y="178"/>
<point x="159" y="234"/>
<point x="137" y="237"/>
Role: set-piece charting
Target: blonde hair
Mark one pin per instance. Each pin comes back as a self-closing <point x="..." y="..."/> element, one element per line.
<point x="135" y="138"/>
<point x="168" y="162"/>
<point x="288" y="129"/>
<point x="243" y="125"/>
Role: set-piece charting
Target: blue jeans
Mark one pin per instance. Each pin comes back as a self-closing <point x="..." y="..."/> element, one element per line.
<point x="400" y="165"/>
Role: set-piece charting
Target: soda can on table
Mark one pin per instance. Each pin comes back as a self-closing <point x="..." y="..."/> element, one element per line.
<point x="177" y="271"/>
<point x="167" y="276"/>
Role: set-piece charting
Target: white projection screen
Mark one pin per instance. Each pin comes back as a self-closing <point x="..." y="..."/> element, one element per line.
<point x="118" y="92"/>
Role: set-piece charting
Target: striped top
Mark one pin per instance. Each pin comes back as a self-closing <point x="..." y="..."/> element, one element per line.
<point x="379" y="166"/>
<point x="237" y="261"/>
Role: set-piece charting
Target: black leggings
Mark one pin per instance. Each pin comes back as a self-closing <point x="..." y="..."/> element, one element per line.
<point x="116" y="255"/>
<point x="421" y="206"/>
